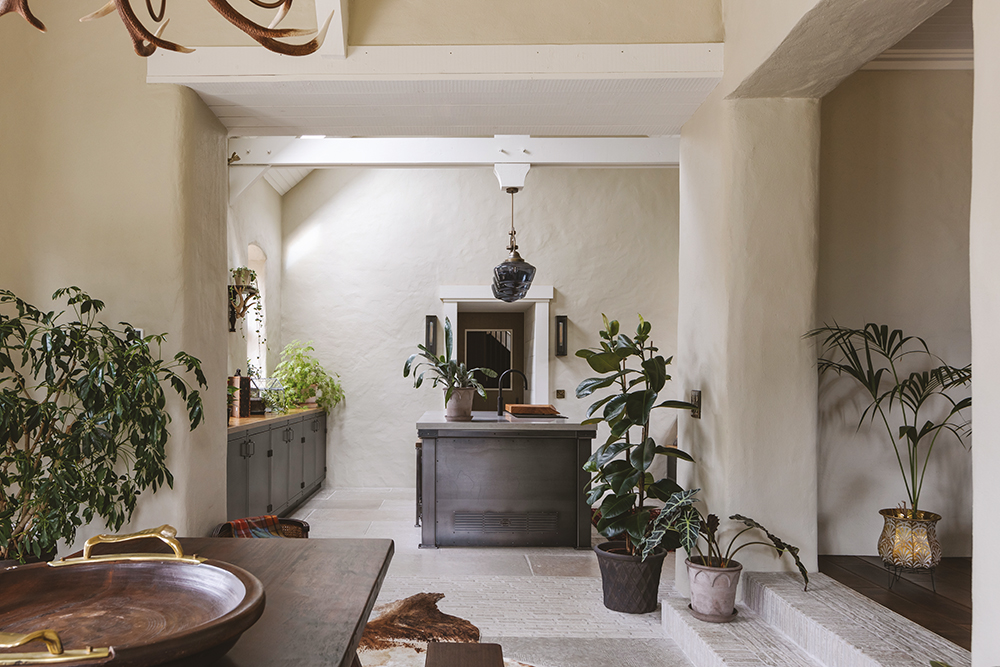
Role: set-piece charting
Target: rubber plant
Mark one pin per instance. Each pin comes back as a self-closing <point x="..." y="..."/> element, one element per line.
<point x="445" y="371"/>
<point x="622" y="482"/>
<point x="83" y="419"/>
<point x="873" y="356"/>
<point x="303" y="376"/>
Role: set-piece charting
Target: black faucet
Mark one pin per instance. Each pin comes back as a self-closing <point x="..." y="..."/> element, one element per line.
<point x="500" y="387"/>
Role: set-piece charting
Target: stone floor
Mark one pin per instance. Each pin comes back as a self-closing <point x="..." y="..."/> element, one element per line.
<point x="543" y="605"/>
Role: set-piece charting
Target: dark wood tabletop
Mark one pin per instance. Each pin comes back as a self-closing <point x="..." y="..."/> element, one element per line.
<point x="319" y="593"/>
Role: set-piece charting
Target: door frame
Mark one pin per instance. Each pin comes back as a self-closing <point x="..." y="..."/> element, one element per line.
<point x="535" y="307"/>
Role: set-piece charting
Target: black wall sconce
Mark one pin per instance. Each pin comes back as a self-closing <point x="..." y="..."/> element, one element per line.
<point x="431" y="333"/>
<point x="562" y="325"/>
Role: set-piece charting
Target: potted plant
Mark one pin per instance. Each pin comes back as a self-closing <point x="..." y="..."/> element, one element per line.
<point x="713" y="574"/>
<point x="622" y="482"/>
<point x="304" y="378"/>
<point x="83" y="420"/>
<point x="460" y="383"/>
<point x="244" y="295"/>
<point x="915" y="409"/>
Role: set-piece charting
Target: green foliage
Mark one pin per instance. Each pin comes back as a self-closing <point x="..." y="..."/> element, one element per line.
<point x="241" y="276"/>
<point x="620" y="466"/>
<point x="302" y="375"/>
<point x="445" y="371"/>
<point x="872" y="357"/>
<point x="83" y="420"/>
<point x="680" y="516"/>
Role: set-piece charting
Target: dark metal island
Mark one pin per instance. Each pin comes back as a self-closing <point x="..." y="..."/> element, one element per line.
<point x="503" y="481"/>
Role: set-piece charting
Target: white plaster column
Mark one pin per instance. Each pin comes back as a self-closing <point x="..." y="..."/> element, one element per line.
<point x="748" y="262"/>
<point x="984" y="242"/>
<point x="540" y="359"/>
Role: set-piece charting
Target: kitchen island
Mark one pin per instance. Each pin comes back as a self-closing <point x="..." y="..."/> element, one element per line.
<point x="503" y="481"/>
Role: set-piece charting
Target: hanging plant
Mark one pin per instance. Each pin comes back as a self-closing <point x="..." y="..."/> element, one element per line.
<point x="244" y="297"/>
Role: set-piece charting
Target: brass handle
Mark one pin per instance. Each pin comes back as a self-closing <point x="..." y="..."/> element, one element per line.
<point x="166" y="533"/>
<point x="50" y="637"/>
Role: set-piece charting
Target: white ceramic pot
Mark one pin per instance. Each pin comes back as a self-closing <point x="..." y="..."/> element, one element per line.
<point x="713" y="590"/>
<point x="459" y="408"/>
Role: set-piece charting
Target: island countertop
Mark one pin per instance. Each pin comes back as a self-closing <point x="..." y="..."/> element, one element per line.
<point x="490" y="421"/>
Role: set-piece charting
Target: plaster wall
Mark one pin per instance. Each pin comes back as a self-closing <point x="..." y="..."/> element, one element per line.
<point x="894" y="241"/>
<point x="255" y="217"/>
<point x="402" y="22"/>
<point x="109" y="184"/>
<point x="366" y="250"/>
<point x="985" y="299"/>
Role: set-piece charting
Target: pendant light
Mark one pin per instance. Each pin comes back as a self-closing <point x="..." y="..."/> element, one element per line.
<point x="512" y="278"/>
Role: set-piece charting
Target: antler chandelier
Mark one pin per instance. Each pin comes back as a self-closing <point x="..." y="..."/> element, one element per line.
<point x="146" y="42"/>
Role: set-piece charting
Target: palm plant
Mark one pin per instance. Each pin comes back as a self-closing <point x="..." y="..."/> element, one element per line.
<point x="873" y="357"/>
<point x="621" y="465"/>
<point x="445" y="371"/>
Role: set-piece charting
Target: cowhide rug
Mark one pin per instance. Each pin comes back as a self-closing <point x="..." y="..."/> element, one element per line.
<point x="398" y="633"/>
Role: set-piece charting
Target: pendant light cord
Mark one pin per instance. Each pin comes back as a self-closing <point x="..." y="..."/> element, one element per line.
<point x="513" y="242"/>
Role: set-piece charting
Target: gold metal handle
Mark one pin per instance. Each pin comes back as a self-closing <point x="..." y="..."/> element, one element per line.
<point x="50" y="637"/>
<point x="166" y="533"/>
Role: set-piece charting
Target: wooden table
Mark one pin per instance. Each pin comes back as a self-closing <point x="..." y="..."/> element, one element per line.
<point x="319" y="593"/>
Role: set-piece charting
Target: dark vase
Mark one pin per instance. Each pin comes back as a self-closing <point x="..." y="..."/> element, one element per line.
<point x="631" y="585"/>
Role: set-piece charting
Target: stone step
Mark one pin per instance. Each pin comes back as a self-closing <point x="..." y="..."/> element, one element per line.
<point x="842" y="628"/>
<point x="746" y="641"/>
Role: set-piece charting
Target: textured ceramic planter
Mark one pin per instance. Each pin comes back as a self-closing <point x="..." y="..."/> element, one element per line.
<point x="459" y="408"/>
<point x="713" y="590"/>
<point x="631" y="585"/>
<point x="910" y="543"/>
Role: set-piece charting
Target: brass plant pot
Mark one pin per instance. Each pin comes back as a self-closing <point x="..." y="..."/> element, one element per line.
<point x="910" y="542"/>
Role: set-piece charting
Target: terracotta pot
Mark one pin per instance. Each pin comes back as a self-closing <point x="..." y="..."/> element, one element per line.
<point x="907" y="542"/>
<point x="459" y="408"/>
<point x="713" y="590"/>
<point x="631" y="585"/>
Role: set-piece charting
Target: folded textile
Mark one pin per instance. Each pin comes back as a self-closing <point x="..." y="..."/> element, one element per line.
<point x="257" y="526"/>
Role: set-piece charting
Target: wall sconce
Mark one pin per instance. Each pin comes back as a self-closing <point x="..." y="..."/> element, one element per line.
<point x="562" y="325"/>
<point x="431" y="333"/>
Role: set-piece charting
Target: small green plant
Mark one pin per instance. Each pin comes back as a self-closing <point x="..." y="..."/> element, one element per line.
<point x="303" y="376"/>
<point x="445" y="371"/>
<point x="620" y="466"/>
<point x="679" y="516"/>
<point x="872" y="356"/>
<point x="83" y="419"/>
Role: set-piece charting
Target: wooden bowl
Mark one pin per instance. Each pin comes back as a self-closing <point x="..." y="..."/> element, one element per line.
<point x="158" y="612"/>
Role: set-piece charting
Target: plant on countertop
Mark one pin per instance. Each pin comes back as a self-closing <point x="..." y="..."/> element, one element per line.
<point x="303" y="376"/>
<point x="624" y="482"/>
<point x="275" y="400"/>
<point x="872" y="356"/>
<point x="445" y="371"/>
<point x="83" y="420"/>
<point x="680" y="516"/>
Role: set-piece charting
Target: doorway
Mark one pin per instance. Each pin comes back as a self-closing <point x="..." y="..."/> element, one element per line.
<point x="493" y="340"/>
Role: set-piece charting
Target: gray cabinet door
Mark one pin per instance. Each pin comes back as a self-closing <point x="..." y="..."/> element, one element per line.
<point x="279" y="467"/>
<point x="296" y="483"/>
<point x="318" y="426"/>
<point x="236" y="477"/>
<point x="258" y="474"/>
<point x="309" y="443"/>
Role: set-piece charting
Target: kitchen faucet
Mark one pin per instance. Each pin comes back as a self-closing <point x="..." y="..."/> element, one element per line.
<point x="500" y="387"/>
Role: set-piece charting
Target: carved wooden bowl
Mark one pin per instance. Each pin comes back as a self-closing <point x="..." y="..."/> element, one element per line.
<point x="148" y="612"/>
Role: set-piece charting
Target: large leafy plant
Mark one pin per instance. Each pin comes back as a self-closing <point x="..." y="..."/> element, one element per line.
<point x="445" y="371"/>
<point x="915" y="408"/>
<point x="83" y="420"/>
<point x="635" y="374"/>
<point x="679" y="516"/>
<point x="303" y="376"/>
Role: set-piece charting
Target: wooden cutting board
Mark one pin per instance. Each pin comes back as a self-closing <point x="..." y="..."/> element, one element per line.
<point x="526" y="409"/>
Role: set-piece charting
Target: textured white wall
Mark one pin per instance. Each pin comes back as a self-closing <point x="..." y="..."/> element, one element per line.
<point x="985" y="299"/>
<point x="255" y="217"/>
<point x="894" y="249"/>
<point x="118" y="187"/>
<point x="366" y="250"/>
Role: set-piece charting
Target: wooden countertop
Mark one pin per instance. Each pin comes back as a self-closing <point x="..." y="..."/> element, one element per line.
<point x="237" y="424"/>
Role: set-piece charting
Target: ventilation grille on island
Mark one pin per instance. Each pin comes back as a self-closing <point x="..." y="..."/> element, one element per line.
<point x="506" y="522"/>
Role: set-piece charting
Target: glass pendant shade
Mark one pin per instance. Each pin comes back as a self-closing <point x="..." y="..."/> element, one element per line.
<point x="512" y="278"/>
